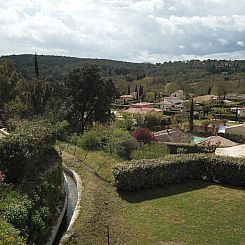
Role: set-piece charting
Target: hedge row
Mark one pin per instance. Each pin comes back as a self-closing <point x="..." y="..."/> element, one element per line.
<point x="146" y="173"/>
<point x="176" y="148"/>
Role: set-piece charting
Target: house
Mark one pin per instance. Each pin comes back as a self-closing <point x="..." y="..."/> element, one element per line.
<point x="238" y="130"/>
<point x="164" y="105"/>
<point x="217" y="141"/>
<point x="235" y="96"/>
<point x="142" y="105"/>
<point x="176" y="102"/>
<point x="127" y="97"/>
<point x="142" y="108"/>
<point x="205" y="98"/>
<point x="179" y="94"/>
<point x="240" y="111"/>
<point x="235" y="151"/>
<point x="3" y="133"/>
<point x="172" y="135"/>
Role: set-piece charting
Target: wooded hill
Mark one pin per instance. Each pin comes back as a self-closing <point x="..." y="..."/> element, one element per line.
<point x="192" y="76"/>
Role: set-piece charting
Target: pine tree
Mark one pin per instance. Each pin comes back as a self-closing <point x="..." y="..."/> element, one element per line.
<point x="36" y="66"/>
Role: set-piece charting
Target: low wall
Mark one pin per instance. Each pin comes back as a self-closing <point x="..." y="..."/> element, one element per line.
<point x="78" y="183"/>
<point x="57" y="226"/>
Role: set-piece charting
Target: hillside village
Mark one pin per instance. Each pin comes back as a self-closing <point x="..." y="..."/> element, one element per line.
<point x="83" y="160"/>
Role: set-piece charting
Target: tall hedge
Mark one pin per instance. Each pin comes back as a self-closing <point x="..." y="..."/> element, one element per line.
<point x="148" y="173"/>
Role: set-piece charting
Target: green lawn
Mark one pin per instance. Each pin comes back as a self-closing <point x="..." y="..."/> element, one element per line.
<point x="195" y="212"/>
<point x="100" y="161"/>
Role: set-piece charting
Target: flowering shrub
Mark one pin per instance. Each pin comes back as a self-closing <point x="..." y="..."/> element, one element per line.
<point x="144" y="135"/>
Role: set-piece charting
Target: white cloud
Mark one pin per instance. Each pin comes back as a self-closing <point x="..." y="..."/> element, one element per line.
<point x="240" y="43"/>
<point x="134" y="30"/>
<point x="223" y="41"/>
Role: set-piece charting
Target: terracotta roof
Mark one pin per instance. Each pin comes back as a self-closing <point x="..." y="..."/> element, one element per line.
<point x="141" y="104"/>
<point x="142" y="110"/>
<point x="205" y="98"/>
<point x="172" y="135"/>
<point x="218" y="141"/>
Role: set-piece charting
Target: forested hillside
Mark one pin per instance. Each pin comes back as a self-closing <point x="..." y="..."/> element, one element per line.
<point x="192" y="76"/>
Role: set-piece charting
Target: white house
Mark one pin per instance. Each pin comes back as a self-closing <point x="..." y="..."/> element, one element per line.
<point x="175" y="101"/>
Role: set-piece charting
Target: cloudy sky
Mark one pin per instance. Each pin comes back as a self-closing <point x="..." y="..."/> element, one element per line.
<point x="131" y="30"/>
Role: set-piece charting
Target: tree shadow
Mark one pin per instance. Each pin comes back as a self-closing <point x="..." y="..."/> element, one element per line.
<point x="144" y="195"/>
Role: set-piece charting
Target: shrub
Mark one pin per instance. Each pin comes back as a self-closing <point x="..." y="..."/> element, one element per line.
<point x="89" y="141"/>
<point x="9" y="235"/>
<point x="148" y="173"/>
<point x="61" y="129"/>
<point x="153" y="120"/>
<point x="143" y="135"/>
<point x="150" y="151"/>
<point x="22" y="153"/>
<point x="126" y="147"/>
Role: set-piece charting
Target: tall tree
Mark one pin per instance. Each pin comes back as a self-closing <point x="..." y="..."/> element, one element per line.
<point x="129" y="90"/>
<point x="8" y="79"/>
<point x="36" y="66"/>
<point x="89" y="97"/>
<point x="191" y="119"/>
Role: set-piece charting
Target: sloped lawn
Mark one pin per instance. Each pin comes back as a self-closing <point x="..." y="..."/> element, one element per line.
<point x="196" y="212"/>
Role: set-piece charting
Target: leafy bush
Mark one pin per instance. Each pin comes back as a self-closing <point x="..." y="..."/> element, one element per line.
<point x="9" y="235"/>
<point x="24" y="150"/>
<point x="153" y="120"/>
<point x="28" y="158"/>
<point x="150" y="151"/>
<point x="143" y="135"/>
<point x="90" y="141"/>
<point x="61" y="129"/>
<point x="126" y="147"/>
<point x="148" y="173"/>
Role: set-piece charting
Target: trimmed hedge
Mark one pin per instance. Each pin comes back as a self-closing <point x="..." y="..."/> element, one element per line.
<point x="176" y="148"/>
<point x="146" y="173"/>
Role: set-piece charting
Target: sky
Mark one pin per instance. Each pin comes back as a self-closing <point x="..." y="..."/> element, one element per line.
<point x="128" y="30"/>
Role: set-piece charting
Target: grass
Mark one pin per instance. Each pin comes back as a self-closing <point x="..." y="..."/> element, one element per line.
<point x="195" y="212"/>
<point x="100" y="161"/>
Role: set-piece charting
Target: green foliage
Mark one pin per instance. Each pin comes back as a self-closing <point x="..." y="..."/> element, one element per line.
<point x="61" y="128"/>
<point x="9" y="235"/>
<point x="126" y="147"/>
<point x="89" y="141"/>
<point x="148" y="173"/>
<point x="34" y="215"/>
<point x="24" y="150"/>
<point x="140" y="121"/>
<point x="150" y="151"/>
<point x="89" y="97"/>
<point x="153" y="120"/>
<point x="127" y="122"/>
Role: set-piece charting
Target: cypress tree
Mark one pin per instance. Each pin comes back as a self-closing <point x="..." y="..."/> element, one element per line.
<point x="191" y="115"/>
<point x="128" y="89"/>
<point x="36" y="66"/>
<point x="136" y="89"/>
